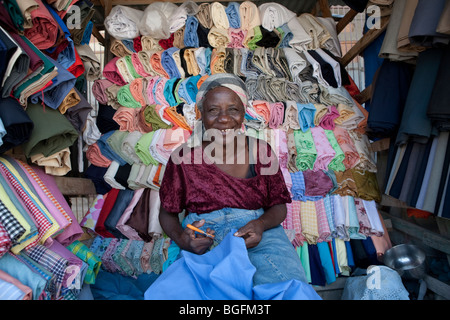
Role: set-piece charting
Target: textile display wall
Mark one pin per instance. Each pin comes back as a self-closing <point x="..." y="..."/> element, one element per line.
<point x="302" y="103"/>
<point x="414" y="59"/>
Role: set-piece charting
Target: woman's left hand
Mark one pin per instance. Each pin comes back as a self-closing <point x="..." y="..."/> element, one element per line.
<point x="251" y="232"/>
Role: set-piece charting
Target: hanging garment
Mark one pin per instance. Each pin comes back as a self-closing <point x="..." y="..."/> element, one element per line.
<point x="422" y="31"/>
<point x="389" y="49"/>
<point x="415" y="124"/>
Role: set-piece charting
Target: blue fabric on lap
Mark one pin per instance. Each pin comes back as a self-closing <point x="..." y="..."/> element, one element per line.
<point x="214" y="276"/>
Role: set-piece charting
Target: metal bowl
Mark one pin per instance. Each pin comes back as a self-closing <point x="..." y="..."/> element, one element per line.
<point x="407" y="259"/>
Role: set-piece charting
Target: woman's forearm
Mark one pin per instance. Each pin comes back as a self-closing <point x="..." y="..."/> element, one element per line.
<point x="273" y="216"/>
<point x="170" y="223"/>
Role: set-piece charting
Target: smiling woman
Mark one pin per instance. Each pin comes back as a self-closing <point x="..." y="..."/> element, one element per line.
<point x="229" y="188"/>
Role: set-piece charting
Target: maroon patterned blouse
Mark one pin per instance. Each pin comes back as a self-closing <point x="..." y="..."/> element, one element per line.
<point x="203" y="187"/>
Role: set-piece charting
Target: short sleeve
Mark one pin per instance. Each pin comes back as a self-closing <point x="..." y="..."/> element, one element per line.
<point x="268" y="167"/>
<point x="277" y="191"/>
<point x="173" y="187"/>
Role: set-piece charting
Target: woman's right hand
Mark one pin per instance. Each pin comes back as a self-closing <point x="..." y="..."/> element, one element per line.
<point x="194" y="242"/>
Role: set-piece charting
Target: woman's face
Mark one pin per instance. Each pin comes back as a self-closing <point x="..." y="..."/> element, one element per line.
<point x="223" y="110"/>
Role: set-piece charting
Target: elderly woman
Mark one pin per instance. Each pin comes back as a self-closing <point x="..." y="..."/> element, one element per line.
<point x="226" y="182"/>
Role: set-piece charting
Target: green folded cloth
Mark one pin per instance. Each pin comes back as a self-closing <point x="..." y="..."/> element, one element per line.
<point x="142" y="149"/>
<point x="337" y="164"/>
<point x="48" y="139"/>
<point x="115" y="142"/>
<point x="258" y="36"/>
<point x="306" y="150"/>
<point x="126" y="99"/>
